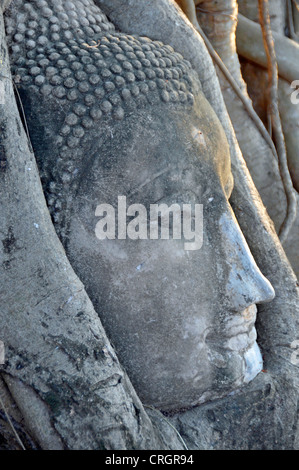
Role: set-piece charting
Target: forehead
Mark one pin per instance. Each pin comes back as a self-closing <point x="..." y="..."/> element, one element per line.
<point x="206" y="135"/>
<point x="163" y="150"/>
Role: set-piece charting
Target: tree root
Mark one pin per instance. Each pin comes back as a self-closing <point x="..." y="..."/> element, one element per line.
<point x="218" y="61"/>
<point x="9" y="420"/>
<point x="289" y="115"/>
<point x="295" y="10"/>
<point x="250" y="45"/>
<point x="290" y="21"/>
<point x="187" y="6"/>
<point x="275" y="119"/>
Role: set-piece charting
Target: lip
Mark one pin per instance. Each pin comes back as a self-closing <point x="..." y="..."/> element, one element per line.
<point x="238" y="334"/>
<point x="242" y="323"/>
<point x="242" y="341"/>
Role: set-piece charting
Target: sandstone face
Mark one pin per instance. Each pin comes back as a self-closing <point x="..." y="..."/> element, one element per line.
<point x="113" y="115"/>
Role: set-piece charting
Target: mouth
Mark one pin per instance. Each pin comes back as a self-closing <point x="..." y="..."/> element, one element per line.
<point x="242" y="341"/>
<point x="237" y="333"/>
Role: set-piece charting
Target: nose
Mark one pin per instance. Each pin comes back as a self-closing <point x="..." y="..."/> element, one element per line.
<point x="246" y="284"/>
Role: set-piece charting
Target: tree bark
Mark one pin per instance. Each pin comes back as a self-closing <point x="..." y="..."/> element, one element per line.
<point x="256" y="79"/>
<point x="250" y="45"/>
<point x="60" y="367"/>
<point x="296" y="16"/>
<point x="263" y="168"/>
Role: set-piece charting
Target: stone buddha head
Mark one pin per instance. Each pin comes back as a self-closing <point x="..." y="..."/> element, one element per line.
<point x="129" y="130"/>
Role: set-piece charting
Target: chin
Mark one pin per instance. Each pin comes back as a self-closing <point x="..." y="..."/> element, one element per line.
<point x="231" y="369"/>
<point x="228" y="372"/>
<point x="253" y="362"/>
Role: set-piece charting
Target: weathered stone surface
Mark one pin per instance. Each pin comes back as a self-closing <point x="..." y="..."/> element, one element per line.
<point x="4" y="4"/>
<point x="70" y="60"/>
<point x="151" y="134"/>
<point x="262" y="416"/>
<point x="59" y="366"/>
<point x="67" y="165"/>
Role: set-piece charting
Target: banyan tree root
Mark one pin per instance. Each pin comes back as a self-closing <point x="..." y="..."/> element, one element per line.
<point x="190" y="13"/>
<point x="275" y="119"/>
<point x="250" y="45"/>
<point x="257" y="81"/>
<point x="290" y="21"/>
<point x="258" y="154"/>
<point x="287" y="183"/>
<point x="295" y="9"/>
<point x="289" y="114"/>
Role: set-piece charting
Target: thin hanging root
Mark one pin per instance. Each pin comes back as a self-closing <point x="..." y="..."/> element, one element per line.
<point x="188" y="8"/>
<point x="296" y="3"/>
<point x="22" y="110"/>
<point x="250" y="45"/>
<point x="169" y="424"/>
<point x="218" y="61"/>
<point x="11" y="425"/>
<point x="275" y="119"/>
<point x="188" y="5"/>
<point x="290" y="19"/>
